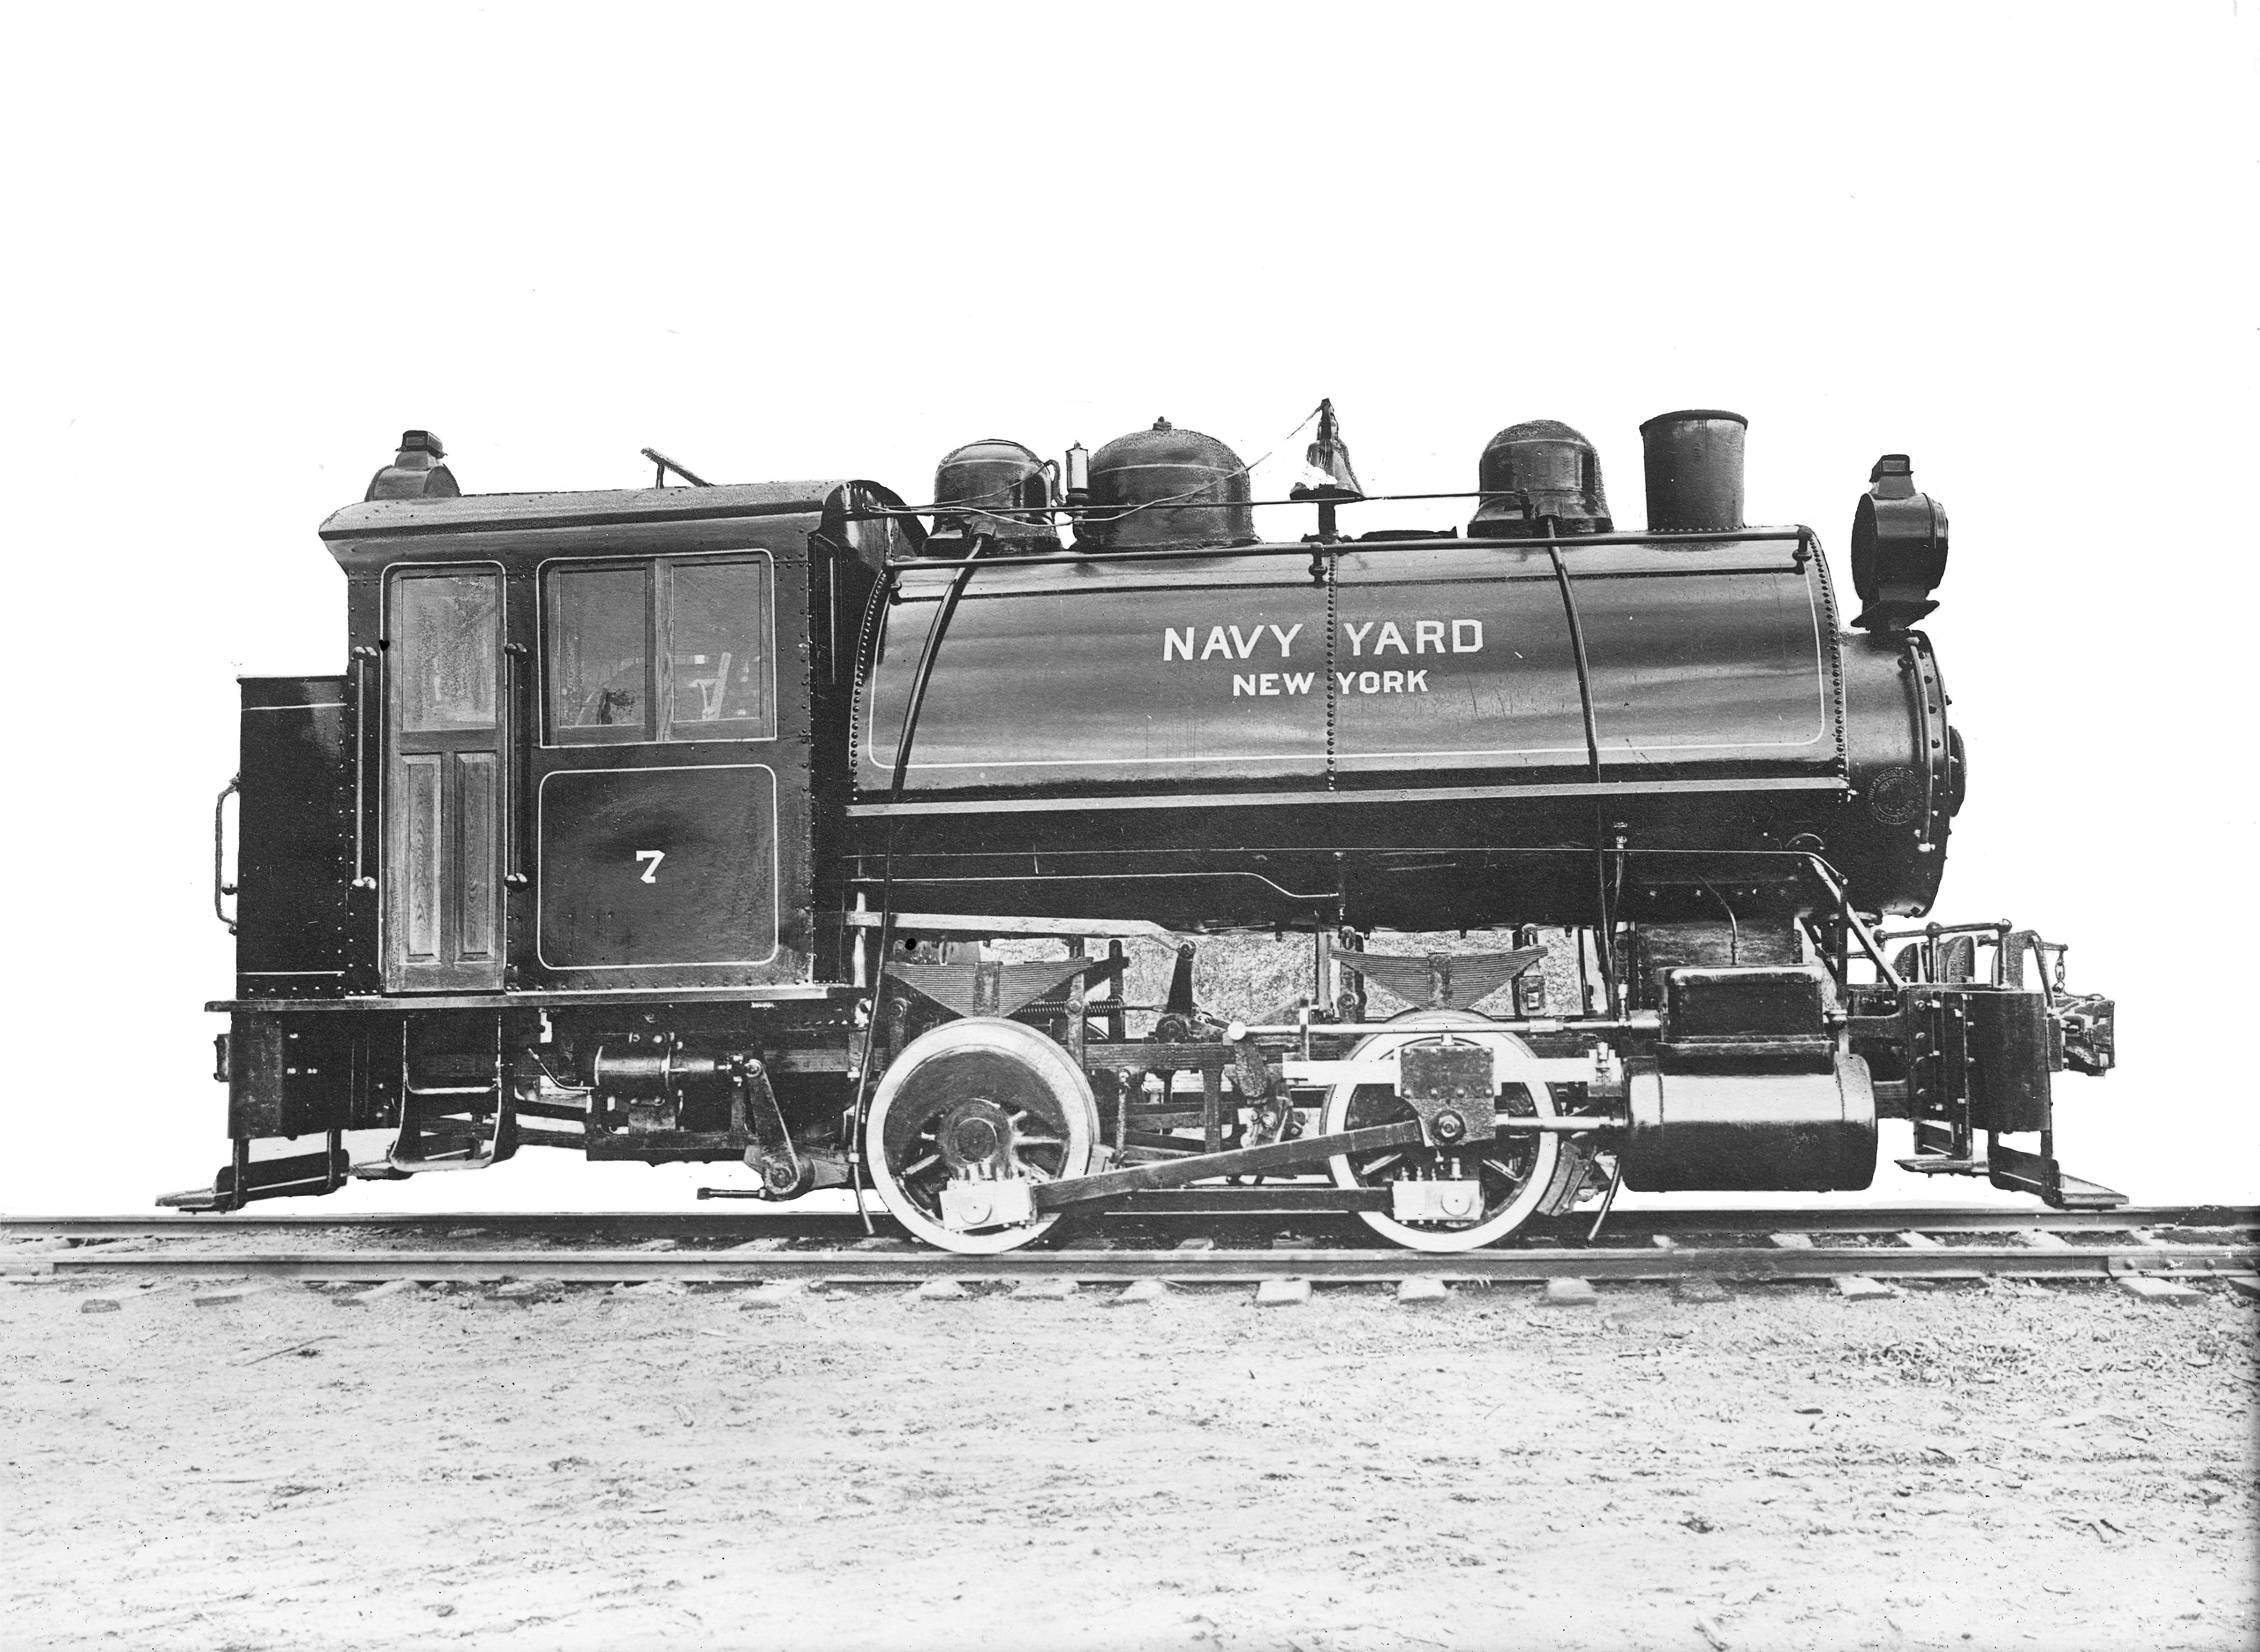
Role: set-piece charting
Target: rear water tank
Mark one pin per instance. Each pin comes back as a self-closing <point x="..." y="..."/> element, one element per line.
<point x="1166" y="487"/>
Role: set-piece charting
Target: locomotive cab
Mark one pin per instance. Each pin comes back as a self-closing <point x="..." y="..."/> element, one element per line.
<point x="571" y="794"/>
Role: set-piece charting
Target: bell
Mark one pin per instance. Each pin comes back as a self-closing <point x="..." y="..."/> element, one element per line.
<point x="1327" y="473"/>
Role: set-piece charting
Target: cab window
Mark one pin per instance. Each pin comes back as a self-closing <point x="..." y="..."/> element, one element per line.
<point x="673" y="649"/>
<point x="445" y="670"/>
<point x="718" y="628"/>
<point x="599" y="657"/>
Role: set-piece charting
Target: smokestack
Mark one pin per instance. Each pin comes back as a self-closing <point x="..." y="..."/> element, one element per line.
<point x="1694" y="464"/>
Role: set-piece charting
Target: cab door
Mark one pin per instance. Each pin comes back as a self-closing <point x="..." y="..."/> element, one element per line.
<point x="444" y="776"/>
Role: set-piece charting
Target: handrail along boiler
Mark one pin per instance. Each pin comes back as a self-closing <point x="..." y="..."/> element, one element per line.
<point x="790" y="823"/>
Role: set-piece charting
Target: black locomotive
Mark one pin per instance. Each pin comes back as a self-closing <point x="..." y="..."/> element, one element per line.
<point x="789" y="824"/>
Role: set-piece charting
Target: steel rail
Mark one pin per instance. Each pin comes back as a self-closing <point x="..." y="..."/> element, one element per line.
<point x="1206" y="1202"/>
<point x="1221" y="1267"/>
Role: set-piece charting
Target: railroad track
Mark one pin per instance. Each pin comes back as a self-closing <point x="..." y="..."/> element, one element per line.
<point x="1924" y="1242"/>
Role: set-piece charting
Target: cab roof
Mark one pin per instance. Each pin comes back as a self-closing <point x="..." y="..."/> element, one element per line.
<point x="486" y="512"/>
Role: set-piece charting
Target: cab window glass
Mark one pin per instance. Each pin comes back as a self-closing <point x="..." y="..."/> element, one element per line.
<point x="444" y="649"/>
<point x="718" y="628"/>
<point x="599" y="655"/>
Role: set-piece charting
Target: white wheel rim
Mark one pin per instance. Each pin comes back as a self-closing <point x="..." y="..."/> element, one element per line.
<point x="1044" y="1060"/>
<point x="1513" y="1056"/>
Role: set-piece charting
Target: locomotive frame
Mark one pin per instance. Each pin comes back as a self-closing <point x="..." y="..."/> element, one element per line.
<point x="450" y="925"/>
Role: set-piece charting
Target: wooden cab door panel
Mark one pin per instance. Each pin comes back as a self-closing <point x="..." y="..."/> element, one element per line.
<point x="445" y="735"/>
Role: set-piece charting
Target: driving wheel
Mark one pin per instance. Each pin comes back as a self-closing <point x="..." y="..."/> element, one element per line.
<point x="1511" y="1170"/>
<point x="966" y="1121"/>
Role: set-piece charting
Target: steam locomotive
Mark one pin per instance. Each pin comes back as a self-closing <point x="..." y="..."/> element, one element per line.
<point x="790" y="825"/>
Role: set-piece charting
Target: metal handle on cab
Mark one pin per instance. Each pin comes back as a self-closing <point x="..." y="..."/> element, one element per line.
<point x="363" y="657"/>
<point x="511" y="653"/>
<point x="220" y="885"/>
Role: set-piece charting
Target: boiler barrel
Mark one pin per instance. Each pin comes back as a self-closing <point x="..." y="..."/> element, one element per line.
<point x="1419" y="664"/>
<point x="1222" y="740"/>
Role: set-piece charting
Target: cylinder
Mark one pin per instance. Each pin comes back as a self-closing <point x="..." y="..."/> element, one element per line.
<point x="1764" y="1132"/>
<point x="1535" y="470"/>
<point x="1694" y="465"/>
<point x="1166" y="487"/>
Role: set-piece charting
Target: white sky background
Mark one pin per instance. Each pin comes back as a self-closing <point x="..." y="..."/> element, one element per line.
<point x="247" y="248"/>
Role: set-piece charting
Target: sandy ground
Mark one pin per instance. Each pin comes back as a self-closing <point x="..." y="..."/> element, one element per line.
<point x="1965" y="1466"/>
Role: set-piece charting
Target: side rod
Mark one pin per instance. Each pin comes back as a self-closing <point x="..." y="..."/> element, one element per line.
<point x="1278" y="1156"/>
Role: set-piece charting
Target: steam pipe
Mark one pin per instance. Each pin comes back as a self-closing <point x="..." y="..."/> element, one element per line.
<point x="915" y="703"/>
<point x="1606" y="931"/>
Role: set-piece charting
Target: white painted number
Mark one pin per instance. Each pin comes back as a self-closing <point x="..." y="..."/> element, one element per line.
<point x="651" y="872"/>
